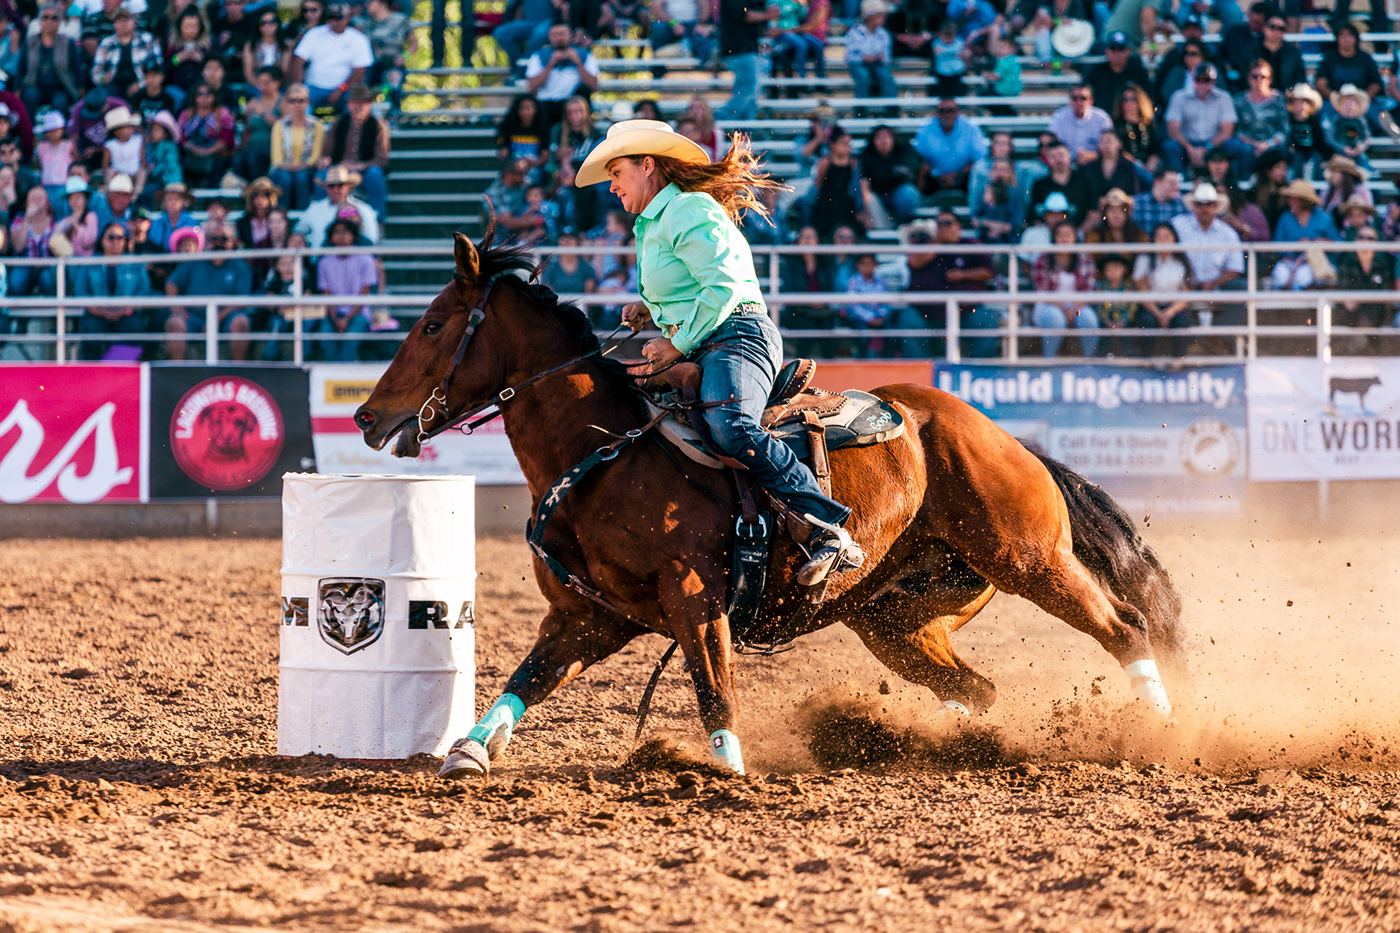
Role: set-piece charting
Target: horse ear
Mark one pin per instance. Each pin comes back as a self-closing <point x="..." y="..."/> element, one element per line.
<point x="468" y="259"/>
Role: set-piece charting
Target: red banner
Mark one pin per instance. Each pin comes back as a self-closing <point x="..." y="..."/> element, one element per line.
<point x="73" y="433"/>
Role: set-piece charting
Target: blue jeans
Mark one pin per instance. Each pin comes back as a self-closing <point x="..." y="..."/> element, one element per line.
<point x="297" y="186"/>
<point x="744" y="104"/>
<point x="1053" y="317"/>
<point x="321" y="97"/>
<point x="518" y="38"/>
<point x="700" y="46"/>
<point x="741" y="359"/>
<point x="795" y="49"/>
<point x="24" y="279"/>
<point x="1241" y="155"/>
<point x="902" y="203"/>
<point x="340" y="351"/>
<point x="872" y="79"/>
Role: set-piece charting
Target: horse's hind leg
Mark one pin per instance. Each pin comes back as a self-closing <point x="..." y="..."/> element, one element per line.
<point x="566" y="646"/>
<point x="1063" y="587"/>
<point x="925" y="655"/>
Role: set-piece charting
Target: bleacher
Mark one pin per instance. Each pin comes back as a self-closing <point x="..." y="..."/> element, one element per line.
<point x="444" y="155"/>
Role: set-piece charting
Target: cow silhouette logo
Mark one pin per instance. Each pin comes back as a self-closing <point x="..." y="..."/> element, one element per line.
<point x="1356" y="385"/>
<point x="227" y="433"/>
<point x="350" y="612"/>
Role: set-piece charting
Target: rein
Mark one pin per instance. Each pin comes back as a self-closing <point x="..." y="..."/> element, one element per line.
<point x="436" y="403"/>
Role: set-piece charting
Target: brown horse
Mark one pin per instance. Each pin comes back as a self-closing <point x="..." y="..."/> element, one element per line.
<point x="948" y="513"/>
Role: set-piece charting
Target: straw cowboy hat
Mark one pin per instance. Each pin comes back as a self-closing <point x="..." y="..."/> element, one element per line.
<point x="118" y="117"/>
<point x="873" y="8"/>
<point x="1305" y="92"/>
<point x="265" y="185"/>
<point x="53" y="120"/>
<point x="1073" y="37"/>
<point x="1302" y="190"/>
<point x="925" y="225"/>
<point x="1350" y="90"/>
<point x="637" y="138"/>
<point x="1206" y="193"/>
<point x="180" y="188"/>
<point x="1341" y="163"/>
<point x="1116" y="196"/>
<point x="339" y="175"/>
<point x="120" y="184"/>
<point x="1354" y="203"/>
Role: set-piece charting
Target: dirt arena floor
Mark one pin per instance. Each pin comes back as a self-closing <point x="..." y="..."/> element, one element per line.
<point x="139" y="790"/>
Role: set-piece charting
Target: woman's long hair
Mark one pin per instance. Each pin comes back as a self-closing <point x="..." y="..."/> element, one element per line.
<point x="1146" y="110"/>
<point x="734" y="181"/>
<point x="567" y="135"/>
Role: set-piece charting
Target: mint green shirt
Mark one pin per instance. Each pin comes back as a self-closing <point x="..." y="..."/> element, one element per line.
<point x="693" y="265"/>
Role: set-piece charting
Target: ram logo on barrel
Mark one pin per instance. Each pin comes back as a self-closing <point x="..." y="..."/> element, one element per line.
<point x="351" y="616"/>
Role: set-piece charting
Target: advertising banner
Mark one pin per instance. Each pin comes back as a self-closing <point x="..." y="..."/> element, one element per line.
<point x="73" y="433"/>
<point x="1162" y="441"/>
<point x="227" y="432"/>
<point x="1310" y="419"/>
<point x="338" y="389"/>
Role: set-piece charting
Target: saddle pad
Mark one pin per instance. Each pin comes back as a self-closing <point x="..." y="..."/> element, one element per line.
<point x="863" y="421"/>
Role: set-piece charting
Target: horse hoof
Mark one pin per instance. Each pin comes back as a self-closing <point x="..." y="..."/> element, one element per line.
<point x="466" y="760"/>
<point x="952" y="709"/>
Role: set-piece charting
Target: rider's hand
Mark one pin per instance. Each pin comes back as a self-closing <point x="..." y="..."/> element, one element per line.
<point x="660" y="353"/>
<point x="636" y="316"/>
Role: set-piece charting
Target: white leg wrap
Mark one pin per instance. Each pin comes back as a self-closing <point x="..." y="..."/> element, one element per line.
<point x="724" y="748"/>
<point x="1147" y="686"/>
<point x="954" y="708"/>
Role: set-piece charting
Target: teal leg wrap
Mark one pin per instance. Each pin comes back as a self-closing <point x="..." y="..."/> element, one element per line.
<point x="724" y="748"/>
<point x="496" y="726"/>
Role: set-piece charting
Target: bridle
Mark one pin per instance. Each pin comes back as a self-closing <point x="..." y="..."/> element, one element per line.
<point x="436" y="403"/>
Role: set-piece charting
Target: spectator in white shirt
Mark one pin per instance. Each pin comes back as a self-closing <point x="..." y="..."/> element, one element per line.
<point x="1079" y="124"/>
<point x="339" y="183"/>
<point x="332" y="57"/>
<point x="1217" y="269"/>
<point x="559" y="71"/>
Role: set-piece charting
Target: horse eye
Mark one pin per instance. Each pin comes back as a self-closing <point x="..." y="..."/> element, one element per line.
<point x="432" y="328"/>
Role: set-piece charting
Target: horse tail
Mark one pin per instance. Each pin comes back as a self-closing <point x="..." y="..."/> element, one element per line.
<point x="1107" y="542"/>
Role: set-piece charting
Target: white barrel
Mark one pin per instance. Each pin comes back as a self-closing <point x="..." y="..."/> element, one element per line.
<point x="378" y="635"/>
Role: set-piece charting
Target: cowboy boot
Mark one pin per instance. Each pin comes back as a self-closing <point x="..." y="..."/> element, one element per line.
<point x="830" y="550"/>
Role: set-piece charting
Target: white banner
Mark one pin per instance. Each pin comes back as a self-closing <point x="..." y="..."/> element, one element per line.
<point x="338" y="389"/>
<point x="1311" y="420"/>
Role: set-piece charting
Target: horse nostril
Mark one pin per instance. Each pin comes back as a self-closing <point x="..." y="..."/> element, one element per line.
<point x="365" y="419"/>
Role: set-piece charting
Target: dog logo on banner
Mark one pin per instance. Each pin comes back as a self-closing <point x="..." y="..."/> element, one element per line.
<point x="351" y="614"/>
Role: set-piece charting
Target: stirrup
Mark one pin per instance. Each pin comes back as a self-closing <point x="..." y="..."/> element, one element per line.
<point x="831" y="551"/>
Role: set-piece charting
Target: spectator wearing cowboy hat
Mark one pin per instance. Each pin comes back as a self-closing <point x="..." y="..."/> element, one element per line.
<point x="1350" y="132"/>
<point x="124" y="152"/>
<point x="359" y="142"/>
<point x="79" y="228"/>
<point x="1212" y="270"/>
<point x="1303" y="222"/>
<point x="869" y="52"/>
<point x="1354" y="214"/>
<point x="56" y="154"/>
<point x="316" y="220"/>
<point x="115" y="202"/>
<point x="254" y="232"/>
<point x="1346" y="181"/>
<point x="332" y="58"/>
<point x="1308" y="142"/>
<point x="123" y="57"/>
<point x="175" y="200"/>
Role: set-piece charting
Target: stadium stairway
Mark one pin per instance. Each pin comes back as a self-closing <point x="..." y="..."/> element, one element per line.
<point x="438" y="175"/>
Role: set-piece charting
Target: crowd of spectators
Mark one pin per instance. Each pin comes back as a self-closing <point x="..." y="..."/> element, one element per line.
<point x="121" y="121"/>
<point x="1167" y="139"/>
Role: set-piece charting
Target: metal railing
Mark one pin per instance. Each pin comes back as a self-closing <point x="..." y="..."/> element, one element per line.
<point x="1322" y="331"/>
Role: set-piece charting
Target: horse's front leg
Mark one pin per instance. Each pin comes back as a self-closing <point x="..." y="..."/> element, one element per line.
<point x="701" y="627"/>
<point x="567" y="645"/>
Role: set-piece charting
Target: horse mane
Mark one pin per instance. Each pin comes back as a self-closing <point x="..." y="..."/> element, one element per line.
<point x="504" y="259"/>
